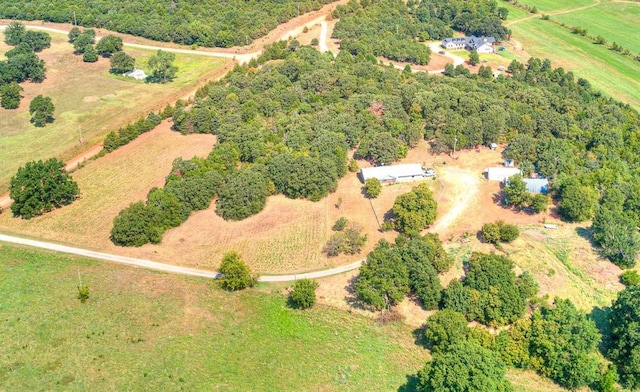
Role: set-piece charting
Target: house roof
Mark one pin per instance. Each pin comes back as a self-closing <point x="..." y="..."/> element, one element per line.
<point x="392" y="172"/>
<point x="501" y="173"/>
<point x="473" y="41"/>
<point x="536" y="185"/>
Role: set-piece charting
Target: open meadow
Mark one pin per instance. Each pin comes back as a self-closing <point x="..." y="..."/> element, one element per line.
<point x="616" y="22"/>
<point x="610" y="72"/>
<point x="89" y="103"/>
<point x="556" y="6"/>
<point x="143" y="330"/>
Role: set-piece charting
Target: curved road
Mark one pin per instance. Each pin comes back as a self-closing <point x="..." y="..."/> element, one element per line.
<point x="460" y="176"/>
<point x="154" y="265"/>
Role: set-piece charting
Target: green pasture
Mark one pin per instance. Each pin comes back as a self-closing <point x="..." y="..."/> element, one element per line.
<point x="89" y="103"/>
<point x="556" y="5"/>
<point x="608" y="71"/>
<point x="616" y="22"/>
<point x="148" y="331"/>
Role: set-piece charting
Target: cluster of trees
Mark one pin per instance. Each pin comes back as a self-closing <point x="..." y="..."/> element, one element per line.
<point x="414" y="211"/>
<point x="392" y="271"/>
<point x="40" y="187"/>
<point x="189" y="187"/>
<point x="236" y="22"/>
<point x="381" y="28"/>
<point x="22" y="63"/>
<point x="558" y="341"/>
<point x="474" y="17"/>
<point x="516" y="194"/>
<point x="499" y="232"/>
<point x="624" y="349"/>
<point x="490" y="292"/>
<point x="109" y="46"/>
<point x="348" y="239"/>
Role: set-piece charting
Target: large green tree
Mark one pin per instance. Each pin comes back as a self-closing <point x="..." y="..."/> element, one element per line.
<point x="162" y="68"/>
<point x="10" y="95"/>
<point x="39" y="187"/>
<point x="624" y="350"/>
<point x="464" y="366"/>
<point x="415" y="211"/>
<point x="563" y="344"/>
<point x="516" y="192"/>
<point x="242" y="195"/>
<point x="108" y="45"/>
<point x="446" y="328"/>
<point x="41" y="110"/>
<point x="121" y="62"/>
<point x="383" y="279"/>
<point x="235" y="274"/>
<point x="617" y="235"/>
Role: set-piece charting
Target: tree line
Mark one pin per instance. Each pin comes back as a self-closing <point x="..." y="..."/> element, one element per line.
<point x="23" y="64"/>
<point x="220" y="23"/>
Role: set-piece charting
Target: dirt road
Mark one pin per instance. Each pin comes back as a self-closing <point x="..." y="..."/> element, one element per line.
<point x="153" y="265"/>
<point x="465" y="185"/>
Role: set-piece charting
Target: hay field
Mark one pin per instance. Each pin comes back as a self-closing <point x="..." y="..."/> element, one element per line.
<point x="557" y="5"/>
<point x="616" y="22"/>
<point x="109" y="184"/>
<point x="89" y="103"/>
<point x="608" y="71"/>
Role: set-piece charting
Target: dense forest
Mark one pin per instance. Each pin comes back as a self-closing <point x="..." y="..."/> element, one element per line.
<point x="206" y="23"/>
<point x="287" y="124"/>
<point x="395" y="30"/>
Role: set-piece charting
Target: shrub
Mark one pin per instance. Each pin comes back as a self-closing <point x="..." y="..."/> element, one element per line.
<point x="340" y="224"/>
<point x="630" y="278"/>
<point x="303" y="295"/>
<point x="90" y="55"/>
<point x="235" y="273"/>
<point x="353" y="166"/>
<point x="539" y="203"/>
<point x="499" y="232"/>
<point x="83" y="293"/>
<point x="373" y="187"/>
<point x="350" y="241"/>
<point x="315" y="42"/>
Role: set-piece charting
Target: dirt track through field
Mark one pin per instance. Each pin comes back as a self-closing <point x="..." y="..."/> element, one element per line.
<point x="466" y="188"/>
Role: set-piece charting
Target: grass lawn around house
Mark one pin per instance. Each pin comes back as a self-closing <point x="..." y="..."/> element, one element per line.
<point x="616" y="22"/>
<point x="89" y="102"/>
<point x="143" y="330"/>
<point x="608" y="71"/>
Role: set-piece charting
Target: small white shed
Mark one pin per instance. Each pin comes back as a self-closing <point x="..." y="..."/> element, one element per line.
<point x="501" y="174"/>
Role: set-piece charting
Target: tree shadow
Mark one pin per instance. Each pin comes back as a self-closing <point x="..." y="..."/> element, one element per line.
<point x="420" y="339"/>
<point x="411" y="385"/>
<point x="601" y="317"/>
<point x="351" y="299"/>
<point x="587" y="234"/>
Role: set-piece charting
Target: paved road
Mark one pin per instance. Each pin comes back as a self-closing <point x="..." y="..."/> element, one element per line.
<point x="168" y="267"/>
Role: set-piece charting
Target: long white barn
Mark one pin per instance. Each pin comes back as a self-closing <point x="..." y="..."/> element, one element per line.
<point x="396" y="173"/>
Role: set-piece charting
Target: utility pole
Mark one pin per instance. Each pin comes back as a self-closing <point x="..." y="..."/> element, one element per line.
<point x="75" y="22"/>
<point x="455" y="142"/>
<point x="80" y="131"/>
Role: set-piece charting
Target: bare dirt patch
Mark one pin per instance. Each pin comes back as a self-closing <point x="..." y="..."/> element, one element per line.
<point x="90" y="98"/>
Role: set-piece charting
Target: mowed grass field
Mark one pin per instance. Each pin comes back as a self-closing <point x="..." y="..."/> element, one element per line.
<point x="89" y="103"/>
<point x="616" y="22"/>
<point x="142" y="331"/>
<point x="610" y="72"/>
<point x="556" y="5"/>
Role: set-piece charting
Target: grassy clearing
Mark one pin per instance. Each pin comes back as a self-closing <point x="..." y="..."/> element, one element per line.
<point x="89" y="103"/>
<point x="610" y="72"/>
<point x="515" y="13"/>
<point x="142" y="330"/>
<point x="108" y="185"/>
<point x="565" y="265"/>
<point x="614" y="22"/>
<point x="555" y="5"/>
